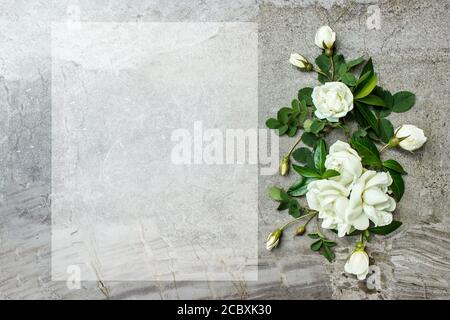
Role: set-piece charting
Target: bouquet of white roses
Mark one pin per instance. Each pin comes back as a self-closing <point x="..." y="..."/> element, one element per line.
<point x="348" y="187"/>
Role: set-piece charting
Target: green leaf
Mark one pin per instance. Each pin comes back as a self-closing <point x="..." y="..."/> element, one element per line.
<point x="330" y="173"/>
<point x="306" y="172"/>
<point x="394" y="165"/>
<point x="273" y="123"/>
<point x="372" y="100"/>
<point x="359" y="133"/>
<point x="368" y="151"/>
<point x="388" y="101"/>
<point x="302" y="154"/>
<point x="368" y="116"/>
<point x="316" y="245"/>
<point x="294" y="209"/>
<point x="317" y="126"/>
<point x="292" y="131"/>
<point x="394" y="225"/>
<point x="275" y="193"/>
<point x="283" y="205"/>
<point x="283" y="115"/>
<point x="386" y="130"/>
<point x="397" y="186"/>
<point x="349" y="79"/>
<point x="295" y="104"/>
<point x="355" y="62"/>
<point x="313" y="235"/>
<point x="368" y="67"/>
<point x="320" y="153"/>
<point x="403" y="101"/>
<point x="367" y="88"/>
<point x="300" y="187"/>
<point x="305" y="95"/>
<point x="283" y="129"/>
<point x="328" y="253"/>
<point x="324" y="63"/>
<point x="310" y="139"/>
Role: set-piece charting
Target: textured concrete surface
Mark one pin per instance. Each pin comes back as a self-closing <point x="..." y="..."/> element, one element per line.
<point x="410" y="51"/>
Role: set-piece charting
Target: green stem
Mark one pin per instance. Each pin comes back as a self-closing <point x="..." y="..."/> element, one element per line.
<point x="332" y="69"/>
<point x="295" y="144"/>
<point x="296" y="219"/>
<point x="384" y="148"/>
<point x="321" y="72"/>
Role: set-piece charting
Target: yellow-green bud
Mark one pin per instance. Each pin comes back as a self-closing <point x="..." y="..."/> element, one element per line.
<point x="284" y="166"/>
<point x="273" y="239"/>
<point x="329" y="52"/>
<point x="393" y="142"/>
<point x="307" y="125"/>
<point x="300" y="230"/>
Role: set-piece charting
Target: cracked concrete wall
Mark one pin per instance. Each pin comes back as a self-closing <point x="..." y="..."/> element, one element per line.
<point x="410" y="52"/>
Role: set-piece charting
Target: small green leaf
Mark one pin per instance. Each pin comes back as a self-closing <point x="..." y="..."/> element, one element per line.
<point x="359" y="133"/>
<point x="349" y="79"/>
<point x="295" y="104"/>
<point x="283" y="205"/>
<point x="368" y="86"/>
<point x="283" y="115"/>
<point x="294" y="209"/>
<point x="300" y="187"/>
<point x="328" y="253"/>
<point x="310" y="139"/>
<point x="283" y="129"/>
<point x="330" y="173"/>
<point x="304" y="94"/>
<point x="368" y="67"/>
<point x="317" y="126"/>
<point x="372" y="100"/>
<point x="403" y="101"/>
<point x="394" y="225"/>
<point x="302" y="154"/>
<point x="313" y="235"/>
<point x="273" y="123"/>
<point x="368" y="151"/>
<point x="368" y="116"/>
<point x="305" y="171"/>
<point x="292" y="131"/>
<point x="316" y="245"/>
<point x="386" y="130"/>
<point x="320" y="153"/>
<point x="275" y="193"/>
<point x="397" y="186"/>
<point x="394" y="165"/>
<point x="355" y="62"/>
<point x="324" y="63"/>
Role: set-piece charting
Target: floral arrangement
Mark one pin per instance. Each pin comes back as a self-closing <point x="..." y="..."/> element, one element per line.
<point x="349" y="189"/>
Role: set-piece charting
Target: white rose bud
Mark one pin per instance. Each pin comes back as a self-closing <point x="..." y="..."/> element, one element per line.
<point x="408" y="137"/>
<point x="332" y="100"/>
<point x="325" y="37"/>
<point x="358" y="263"/>
<point x="273" y="239"/>
<point x="300" y="62"/>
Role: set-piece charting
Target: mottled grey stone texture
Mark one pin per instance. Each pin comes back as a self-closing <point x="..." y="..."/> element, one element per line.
<point x="410" y="52"/>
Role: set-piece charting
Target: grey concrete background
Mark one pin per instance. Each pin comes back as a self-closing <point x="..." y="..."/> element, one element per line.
<point x="411" y="52"/>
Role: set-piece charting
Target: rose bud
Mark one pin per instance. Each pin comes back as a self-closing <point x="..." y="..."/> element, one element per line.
<point x="325" y="38"/>
<point x="358" y="263"/>
<point x="273" y="239"/>
<point x="284" y="166"/>
<point x="408" y="137"/>
<point x="300" y="62"/>
<point x="300" y="230"/>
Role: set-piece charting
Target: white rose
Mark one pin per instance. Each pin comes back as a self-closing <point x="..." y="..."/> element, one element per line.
<point x="330" y="199"/>
<point x="325" y="37"/>
<point x="369" y="193"/>
<point x="332" y="100"/>
<point x="414" y="137"/>
<point x="358" y="264"/>
<point x="299" y="61"/>
<point x="346" y="161"/>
